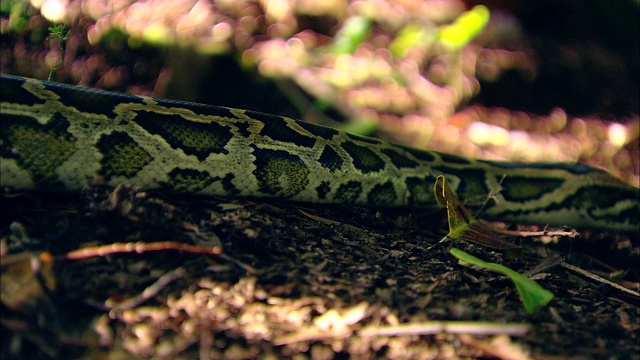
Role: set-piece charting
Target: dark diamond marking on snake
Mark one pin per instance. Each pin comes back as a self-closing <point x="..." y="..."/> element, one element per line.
<point x="13" y="92"/>
<point x="92" y="101"/>
<point x="40" y="149"/>
<point x="399" y="160"/>
<point x="349" y="192"/>
<point x="521" y="188"/>
<point x="323" y="189"/>
<point x="199" y="109"/>
<point x="330" y="159"/>
<point x="279" y="172"/>
<point x="422" y="155"/>
<point x="322" y="131"/>
<point x="420" y="190"/>
<point x="382" y="194"/>
<point x="278" y="130"/>
<point x="578" y="169"/>
<point x="453" y="159"/>
<point x="366" y="139"/>
<point x="243" y="129"/>
<point x="194" y="138"/>
<point x="364" y="159"/>
<point x="122" y="156"/>
<point x="227" y="185"/>
<point x="189" y="180"/>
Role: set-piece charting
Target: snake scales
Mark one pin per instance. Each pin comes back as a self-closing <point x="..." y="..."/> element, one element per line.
<point x="55" y="137"/>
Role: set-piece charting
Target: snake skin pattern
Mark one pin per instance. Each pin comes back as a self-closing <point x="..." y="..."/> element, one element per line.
<point x="54" y="137"/>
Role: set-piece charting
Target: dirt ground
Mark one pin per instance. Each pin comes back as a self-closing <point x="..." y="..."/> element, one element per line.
<point x="298" y="281"/>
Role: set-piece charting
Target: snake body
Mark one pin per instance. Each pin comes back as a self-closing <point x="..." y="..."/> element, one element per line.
<point x="54" y="137"/>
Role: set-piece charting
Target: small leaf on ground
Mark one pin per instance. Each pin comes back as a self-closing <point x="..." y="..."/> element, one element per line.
<point x="532" y="294"/>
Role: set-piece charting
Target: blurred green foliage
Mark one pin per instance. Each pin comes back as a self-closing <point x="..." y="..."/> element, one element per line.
<point x="410" y="37"/>
<point x="466" y="27"/>
<point x="18" y="17"/>
<point x="354" y="32"/>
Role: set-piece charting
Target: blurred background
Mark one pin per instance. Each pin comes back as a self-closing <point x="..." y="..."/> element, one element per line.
<point x="502" y="80"/>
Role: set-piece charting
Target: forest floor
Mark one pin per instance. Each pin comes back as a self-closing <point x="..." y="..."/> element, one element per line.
<point x="292" y="280"/>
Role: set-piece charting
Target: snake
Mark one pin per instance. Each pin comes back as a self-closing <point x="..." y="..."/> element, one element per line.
<point x="55" y="137"/>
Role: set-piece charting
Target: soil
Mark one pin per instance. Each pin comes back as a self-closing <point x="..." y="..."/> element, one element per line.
<point x="293" y="280"/>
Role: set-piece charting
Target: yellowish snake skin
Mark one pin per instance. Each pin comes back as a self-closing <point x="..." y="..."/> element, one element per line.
<point x="54" y="137"/>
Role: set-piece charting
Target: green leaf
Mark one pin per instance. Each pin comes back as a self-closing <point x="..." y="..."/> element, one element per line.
<point x="531" y="293"/>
